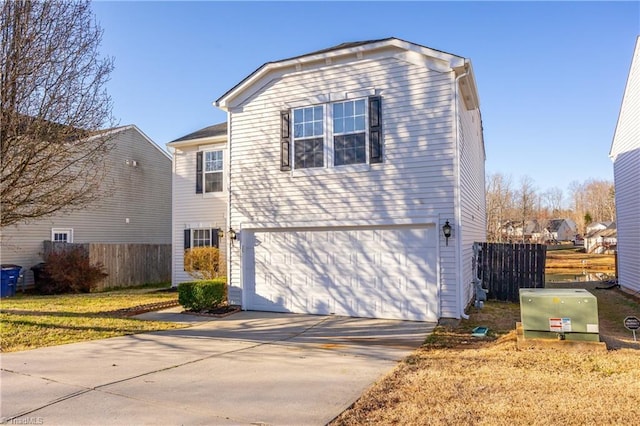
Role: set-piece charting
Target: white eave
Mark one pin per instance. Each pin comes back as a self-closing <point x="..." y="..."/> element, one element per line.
<point x="451" y="61"/>
<point x="199" y="141"/>
<point x="468" y="87"/>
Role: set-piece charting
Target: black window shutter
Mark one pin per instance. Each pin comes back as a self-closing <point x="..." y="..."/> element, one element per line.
<point x="199" y="172"/>
<point x="187" y="239"/>
<point x="285" y="141"/>
<point x="215" y="238"/>
<point x="375" y="129"/>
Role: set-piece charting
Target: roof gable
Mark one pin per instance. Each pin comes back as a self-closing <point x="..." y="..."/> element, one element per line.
<point x="422" y="55"/>
<point x="133" y="127"/>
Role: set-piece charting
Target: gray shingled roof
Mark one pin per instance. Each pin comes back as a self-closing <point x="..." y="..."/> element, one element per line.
<point x="219" y="129"/>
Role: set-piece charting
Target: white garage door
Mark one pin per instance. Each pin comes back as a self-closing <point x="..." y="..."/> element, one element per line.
<point x="360" y="272"/>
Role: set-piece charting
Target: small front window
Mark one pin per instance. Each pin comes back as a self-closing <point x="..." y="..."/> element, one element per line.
<point x="62" y="235"/>
<point x="201" y="237"/>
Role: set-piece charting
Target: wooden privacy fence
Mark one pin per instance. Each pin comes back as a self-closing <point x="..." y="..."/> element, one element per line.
<point x="505" y="268"/>
<point x="127" y="264"/>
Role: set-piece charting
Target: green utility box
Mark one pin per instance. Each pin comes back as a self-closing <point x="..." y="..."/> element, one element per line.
<point x="565" y="314"/>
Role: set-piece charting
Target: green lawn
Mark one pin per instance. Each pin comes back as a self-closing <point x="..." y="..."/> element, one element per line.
<point x="29" y="322"/>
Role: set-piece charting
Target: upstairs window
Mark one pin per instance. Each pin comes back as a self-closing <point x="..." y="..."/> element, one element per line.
<point x="332" y="135"/>
<point x="209" y="171"/>
<point x="349" y="137"/>
<point x="308" y="134"/>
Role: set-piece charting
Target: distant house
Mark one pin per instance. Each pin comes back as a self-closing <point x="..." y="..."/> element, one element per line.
<point x="601" y="240"/>
<point x="199" y="194"/>
<point x="597" y="226"/>
<point x="534" y="231"/>
<point x="625" y="154"/>
<point x="344" y="169"/>
<point x="558" y="230"/>
<point x="135" y="208"/>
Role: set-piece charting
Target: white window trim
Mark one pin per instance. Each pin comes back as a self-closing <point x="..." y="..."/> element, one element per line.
<point x="204" y="150"/>
<point x="68" y="231"/>
<point x="328" y="140"/>
<point x="193" y="237"/>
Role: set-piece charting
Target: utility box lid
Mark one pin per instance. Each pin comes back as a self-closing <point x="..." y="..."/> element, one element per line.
<point x="558" y="310"/>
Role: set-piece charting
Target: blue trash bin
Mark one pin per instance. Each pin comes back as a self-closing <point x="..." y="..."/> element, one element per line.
<point x="9" y="276"/>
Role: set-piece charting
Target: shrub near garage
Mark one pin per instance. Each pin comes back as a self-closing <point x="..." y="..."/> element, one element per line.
<point x="203" y="263"/>
<point x="202" y="295"/>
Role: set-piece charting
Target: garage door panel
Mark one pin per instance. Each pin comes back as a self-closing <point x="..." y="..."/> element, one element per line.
<point x="383" y="273"/>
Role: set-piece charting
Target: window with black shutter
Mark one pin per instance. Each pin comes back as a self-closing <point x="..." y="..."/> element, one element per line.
<point x="199" y="172"/>
<point x="285" y="141"/>
<point x="201" y="237"/>
<point x="187" y="239"/>
<point x="375" y="129"/>
<point x="344" y="133"/>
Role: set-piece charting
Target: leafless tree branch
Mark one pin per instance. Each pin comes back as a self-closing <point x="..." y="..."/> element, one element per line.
<point x="52" y="105"/>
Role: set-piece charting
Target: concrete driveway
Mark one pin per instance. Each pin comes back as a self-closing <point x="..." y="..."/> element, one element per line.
<point x="248" y="368"/>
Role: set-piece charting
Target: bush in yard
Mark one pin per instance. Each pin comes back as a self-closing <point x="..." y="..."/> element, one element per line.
<point x="69" y="271"/>
<point x="202" y="295"/>
<point x="203" y="263"/>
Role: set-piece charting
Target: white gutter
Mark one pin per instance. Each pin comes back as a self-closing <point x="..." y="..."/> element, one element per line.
<point x="458" y="208"/>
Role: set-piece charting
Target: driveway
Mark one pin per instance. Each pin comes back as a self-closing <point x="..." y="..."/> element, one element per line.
<point x="248" y="368"/>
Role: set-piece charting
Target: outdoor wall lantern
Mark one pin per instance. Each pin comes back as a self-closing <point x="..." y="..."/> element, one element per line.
<point x="446" y="230"/>
<point x="232" y="234"/>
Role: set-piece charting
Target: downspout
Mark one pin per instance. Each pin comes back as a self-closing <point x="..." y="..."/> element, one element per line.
<point x="458" y="209"/>
<point x="229" y="241"/>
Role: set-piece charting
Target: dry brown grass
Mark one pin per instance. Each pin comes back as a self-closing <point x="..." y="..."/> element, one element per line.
<point x="455" y="379"/>
<point x="573" y="259"/>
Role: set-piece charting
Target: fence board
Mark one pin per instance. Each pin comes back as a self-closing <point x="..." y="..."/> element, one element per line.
<point x="127" y="265"/>
<point x="505" y="268"/>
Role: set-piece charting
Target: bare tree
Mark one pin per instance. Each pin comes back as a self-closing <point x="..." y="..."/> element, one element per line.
<point x="499" y="199"/>
<point x="526" y="199"/>
<point x="593" y="201"/>
<point x="553" y="200"/>
<point x="52" y="103"/>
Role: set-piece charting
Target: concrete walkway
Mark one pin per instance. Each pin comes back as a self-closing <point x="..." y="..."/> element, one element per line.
<point x="248" y="368"/>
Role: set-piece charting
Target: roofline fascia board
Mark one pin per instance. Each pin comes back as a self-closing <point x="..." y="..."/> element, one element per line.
<point x="223" y="102"/>
<point x="199" y="141"/>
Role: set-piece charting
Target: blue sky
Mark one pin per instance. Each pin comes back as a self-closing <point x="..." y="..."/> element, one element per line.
<point x="550" y="75"/>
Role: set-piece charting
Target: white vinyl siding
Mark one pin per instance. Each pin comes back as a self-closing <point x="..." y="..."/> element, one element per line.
<point x="415" y="178"/>
<point x="472" y="194"/>
<point x="135" y="206"/>
<point x="625" y="152"/>
<point x="194" y="211"/>
<point x="626" y="172"/>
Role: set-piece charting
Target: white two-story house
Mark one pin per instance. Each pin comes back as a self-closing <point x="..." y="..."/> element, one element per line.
<point x="343" y="170"/>
<point x="199" y="193"/>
